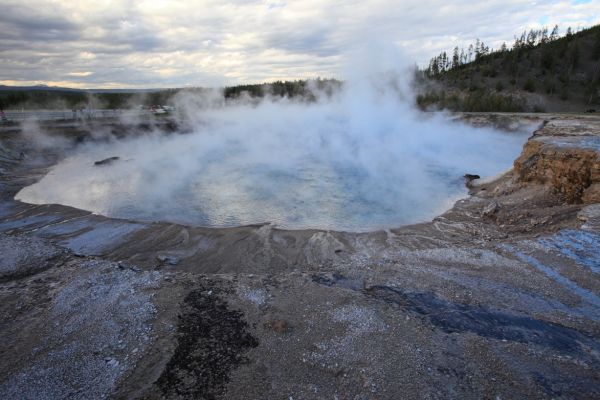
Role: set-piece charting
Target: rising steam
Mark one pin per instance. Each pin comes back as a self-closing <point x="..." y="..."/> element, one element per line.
<point x="361" y="159"/>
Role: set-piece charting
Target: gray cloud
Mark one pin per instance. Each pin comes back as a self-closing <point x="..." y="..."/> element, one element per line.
<point x="210" y="42"/>
<point x="21" y="22"/>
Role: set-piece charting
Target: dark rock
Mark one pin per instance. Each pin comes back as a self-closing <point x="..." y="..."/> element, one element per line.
<point x="107" y="161"/>
<point x="469" y="178"/>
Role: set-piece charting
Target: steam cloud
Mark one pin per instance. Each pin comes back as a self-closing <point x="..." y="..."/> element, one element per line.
<point x="359" y="160"/>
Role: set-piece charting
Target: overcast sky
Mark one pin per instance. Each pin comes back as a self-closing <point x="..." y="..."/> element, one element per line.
<point x="158" y="43"/>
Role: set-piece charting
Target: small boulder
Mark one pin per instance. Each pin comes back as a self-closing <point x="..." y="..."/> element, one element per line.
<point x="107" y="161"/>
<point x="469" y="178"/>
<point x="490" y="210"/>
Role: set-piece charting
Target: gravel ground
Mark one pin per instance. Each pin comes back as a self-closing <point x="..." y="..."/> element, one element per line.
<point x="93" y="329"/>
<point x="25" y="255"/>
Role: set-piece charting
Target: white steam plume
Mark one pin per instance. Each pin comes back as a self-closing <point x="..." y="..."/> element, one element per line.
<point x="360" y="160"/>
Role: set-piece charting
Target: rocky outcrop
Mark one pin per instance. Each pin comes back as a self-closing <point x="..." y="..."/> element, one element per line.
<point x="569" y="164"/>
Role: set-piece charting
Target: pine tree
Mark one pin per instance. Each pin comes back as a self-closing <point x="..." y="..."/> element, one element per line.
<point x="554" y="34"/>
<point x="477" y="49"/>
<point x="523" y="39"/>
<point x="485" y="50"/>
<point x="531" y="37"/>
<point x="569" y="32"/>
<point x="435" y="66"/>
<point x="444" y="61"/>
<point x="455" y="58"/>
<point x="544" y="36"/>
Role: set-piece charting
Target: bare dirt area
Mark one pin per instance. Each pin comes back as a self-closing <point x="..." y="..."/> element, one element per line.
<point x="497" y="298"/>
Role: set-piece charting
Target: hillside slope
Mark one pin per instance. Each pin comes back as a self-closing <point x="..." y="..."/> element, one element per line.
<point x="540" y="72"/>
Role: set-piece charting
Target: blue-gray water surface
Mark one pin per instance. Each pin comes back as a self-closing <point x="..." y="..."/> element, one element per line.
<point x="327" y="175"/>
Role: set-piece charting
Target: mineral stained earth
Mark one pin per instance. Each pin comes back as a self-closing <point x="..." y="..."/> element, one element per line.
<point x="498" y="298"/>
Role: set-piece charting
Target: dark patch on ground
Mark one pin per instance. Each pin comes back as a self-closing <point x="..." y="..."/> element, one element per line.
<point x="457" y="318"/>
<point x="451" y="317"/>
<point x="211" y="342"/>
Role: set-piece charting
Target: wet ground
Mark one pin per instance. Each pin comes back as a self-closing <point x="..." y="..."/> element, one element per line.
<point x="496" y="298"/>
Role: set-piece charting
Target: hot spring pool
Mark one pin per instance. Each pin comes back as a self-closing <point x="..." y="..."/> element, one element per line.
<point x="324" y="173"/>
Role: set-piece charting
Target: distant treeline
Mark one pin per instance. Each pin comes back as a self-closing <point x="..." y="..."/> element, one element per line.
<point x="540" y="70"/>
<point x="40" y="98"/>
<point x="37" y="98"/>
<point x="298" y="88"/>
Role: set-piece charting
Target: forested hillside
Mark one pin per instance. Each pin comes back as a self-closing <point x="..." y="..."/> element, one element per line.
<point x="540" y="71"/>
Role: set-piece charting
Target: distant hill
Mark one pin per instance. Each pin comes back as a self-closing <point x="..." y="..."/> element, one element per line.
<point x="48" y="97"/>
<point x="53" y="97"/>
<point x="38" y="97"/>
<point x="37" y="87"/>
<point x="46" y="88"/>
<point x="540" y="72"/>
